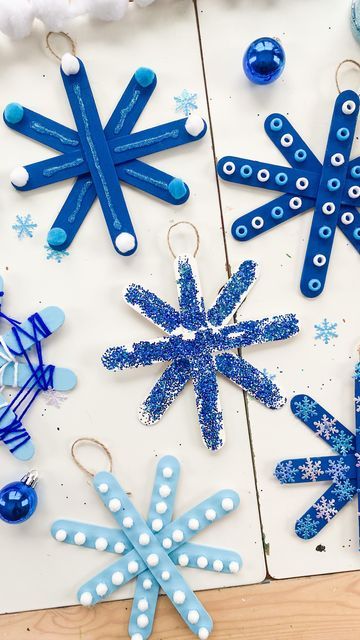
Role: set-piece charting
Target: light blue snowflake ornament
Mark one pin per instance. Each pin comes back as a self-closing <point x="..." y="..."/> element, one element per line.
<point x="331" y="188"/>
<point x="99" y="157"/>
<point x="196" y="346"/>
<point x="22" y="366"/>
<point x="341" y="470"/>
<point x="151" y="550"/>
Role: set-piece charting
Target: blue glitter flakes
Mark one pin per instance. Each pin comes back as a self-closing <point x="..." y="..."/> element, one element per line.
<point x="196" y="344"/>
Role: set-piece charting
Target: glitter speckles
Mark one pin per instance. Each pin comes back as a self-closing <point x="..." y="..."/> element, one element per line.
<point x="196" y="344"/>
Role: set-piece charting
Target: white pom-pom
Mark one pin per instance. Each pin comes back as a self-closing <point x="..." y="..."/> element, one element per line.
<point x="16" y="18"/>
<point x="54" y="14"/>
<point x="125" y="242"/>
<point x="70" y="64"/>
<point x="194" y="125"/>
<point x="107" y="9"/>
<point x="19" y="177"/>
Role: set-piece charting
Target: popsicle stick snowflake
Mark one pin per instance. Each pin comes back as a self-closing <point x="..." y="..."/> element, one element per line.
<point x="22" y="366"/>
<point x="332" y="188"/>
<point x="98" y="158"/>
<point x="152" y="549"/>
<point x="342" y="470"/>
<point x="196" y="344"/>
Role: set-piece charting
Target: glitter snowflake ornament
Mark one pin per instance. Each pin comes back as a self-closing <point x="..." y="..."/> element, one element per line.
<point x="332" y="188"/>
<point x="341" y="469"/>
<point x="151" y="550"/>
<point x="196" y="344"/>
<point x="99" y="157"/>
<point x="22" y="366"/>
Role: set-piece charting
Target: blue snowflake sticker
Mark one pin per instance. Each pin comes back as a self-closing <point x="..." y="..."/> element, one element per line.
<point x="326" y="331"/>
<point x="24" y="226"/>
<point x="55" y="254"/>
<point x="186" y="102"/>
<point x="197" y="346"/>
<point x="341" y="470"/>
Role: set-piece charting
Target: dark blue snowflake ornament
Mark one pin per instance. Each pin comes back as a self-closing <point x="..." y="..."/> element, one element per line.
<point x="332" y="188"/>
<point x="99" y="157"/>
<point x="342" y="469"/>
<point x="196" y="344"/>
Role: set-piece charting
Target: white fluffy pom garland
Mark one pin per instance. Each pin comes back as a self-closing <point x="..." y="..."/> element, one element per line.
<point x="16" y="17"/>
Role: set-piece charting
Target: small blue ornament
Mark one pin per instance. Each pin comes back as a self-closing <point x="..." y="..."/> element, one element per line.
<point x="18" y="500"/>
<point x="264" y="61"/>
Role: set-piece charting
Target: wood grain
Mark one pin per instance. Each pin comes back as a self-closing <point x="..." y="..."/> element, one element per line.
<point x="313" y="608"/>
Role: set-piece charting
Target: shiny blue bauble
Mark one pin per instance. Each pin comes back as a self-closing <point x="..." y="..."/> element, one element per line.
<point x="264" y="60"/>
<point x="18" y="502"/>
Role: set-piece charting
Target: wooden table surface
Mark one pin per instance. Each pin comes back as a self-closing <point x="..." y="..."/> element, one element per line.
<point x="314" y="608"/>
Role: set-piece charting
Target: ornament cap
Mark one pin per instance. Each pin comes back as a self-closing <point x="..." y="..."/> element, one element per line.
<point x="31" y="478"/>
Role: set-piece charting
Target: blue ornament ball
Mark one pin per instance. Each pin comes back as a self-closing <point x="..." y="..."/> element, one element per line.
<point x="18" y="502"/>
<point x="264" y="61"/>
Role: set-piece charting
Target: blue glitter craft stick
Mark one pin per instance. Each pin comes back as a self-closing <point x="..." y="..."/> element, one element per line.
<point x="206" y="390"/>
<point x="164" y="392"/>
<point x="191" y="302"/>
<point x="193" y="346"/>
<point x="329" y="198"/>
<point x="153" y="555"/>
<point x="160" y="511"/>
<point x="162" y="314"/>
<point x="233" y="294"/>
<point x="96" y="151"/>
<point x="83" y="193"/>
<point x="254" y="382"/>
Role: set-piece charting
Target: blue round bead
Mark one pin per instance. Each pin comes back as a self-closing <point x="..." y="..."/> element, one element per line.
<point x="264" y="60"/>
<point x="18" y="502"/>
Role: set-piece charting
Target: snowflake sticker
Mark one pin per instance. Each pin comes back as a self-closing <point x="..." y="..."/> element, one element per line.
<point x="339" y="470"/>
<point x="326" y="331"/>
<point x="151" y="550"/>
<point x="331" y="188"/>
<point x="55" y="254"/>
<point x="196" y="346"/>
<point x="22" y="366"/>
<point x="98" y="158"/>
<point x="24" y="226"/>
<point x="54" y="398"/>
<point x="186" y="102"/>
<point x="304" y="408"/>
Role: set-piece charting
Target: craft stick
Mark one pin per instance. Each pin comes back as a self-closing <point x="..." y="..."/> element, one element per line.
<point x="153" y="181"/>
<point x="316" y="469"/>
<point x="254" y="382"/>
<point x="328" y="202"/>
<point x="13" y="434"/>
<point x="92" y="536"/>
<point x="269" y="215"/>
<point x="152" y="555"/>
<point x="162" y="499"/>
<point x="37" y="327"/>
<point x="291" y="145"/>
<point x="191" y="302"/>
<point x="268" y="176"/>
<point x="46" y="131"/>
<point x="96" y="150"/>
<point x="323" y="423"/>
<point x="164" y="392"/>
<point x="162" y="314"/>
<point x="322" y="511"/>
<point x="206" y="391"/>
<point x="233" y="294"/>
